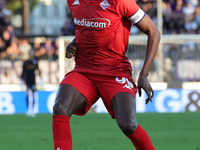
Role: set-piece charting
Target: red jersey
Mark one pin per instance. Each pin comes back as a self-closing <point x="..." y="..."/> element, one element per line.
<point x="102" y="33"/>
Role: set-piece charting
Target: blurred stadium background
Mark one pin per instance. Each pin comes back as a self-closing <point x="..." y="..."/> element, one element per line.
<point x="46" y="26"/>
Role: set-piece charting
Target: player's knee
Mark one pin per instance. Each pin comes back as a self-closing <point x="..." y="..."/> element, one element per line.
<point x="128" y="127"/>
<point x="59" y="109"/>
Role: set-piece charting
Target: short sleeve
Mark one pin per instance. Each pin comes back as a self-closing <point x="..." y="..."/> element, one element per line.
<point x="130" y="10"/>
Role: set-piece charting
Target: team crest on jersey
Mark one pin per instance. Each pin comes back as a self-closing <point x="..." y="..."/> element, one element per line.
<point x="76" y="2"/>
<point x="104" y="4"/>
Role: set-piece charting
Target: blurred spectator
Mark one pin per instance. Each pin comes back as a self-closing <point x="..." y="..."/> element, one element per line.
<point x="24" y="47"/>
<point x="176" y="13"/>
<point x="3" y="23"/>
<point x="5" y="13"/>
<point x="47" y="49"/>
<point x="69" y="27"/>
<point x="11" y="31"/>
<point x="177" y="6"/>
<point x="6" y="39"/>
<point x="36" y="48"/>
<point x="166" y="8"/>
<point x="197" y="18"/>
<point x="194" y="2"/>
<point x="191" y="25"/>
<point x="56" y="44"/>
<point x="13" y="51"/>
<point x="178" y="20"/>
<point x="181" y="16"/>
<point x="3" y="53"/>
<point x="167" y="12"/>
<point x="188" y="10"/>
<point x="197" y="14"/>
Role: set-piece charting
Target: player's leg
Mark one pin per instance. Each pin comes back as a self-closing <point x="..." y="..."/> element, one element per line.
<point x="27" y="96"/>
<point x="33" y="89"/>
<point x="68" y="101"/>
<point x="33" y="95"/>
<point x="28" y="112"/>
<point x="124" y="107"/>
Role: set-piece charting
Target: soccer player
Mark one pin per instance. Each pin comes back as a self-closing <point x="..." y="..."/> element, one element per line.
<point x="28" y="76"/>
<point x="103" y="70"/>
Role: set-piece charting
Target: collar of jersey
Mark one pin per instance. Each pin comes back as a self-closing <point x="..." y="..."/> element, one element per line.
<point x="90" y="1"/>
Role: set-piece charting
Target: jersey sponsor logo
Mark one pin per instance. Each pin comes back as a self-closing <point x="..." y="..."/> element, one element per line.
<point x="93" y="22"/>
<point x="104" y="4"/>
<point x="127" y="84"/>
<point x="76" y="2"/>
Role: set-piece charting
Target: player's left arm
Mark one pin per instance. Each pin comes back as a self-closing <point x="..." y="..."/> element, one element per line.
<point x="38" y="69"/>
<point x="23" y="72"/>
<point x="147" y="26"/>
<point x="40" y="74"/>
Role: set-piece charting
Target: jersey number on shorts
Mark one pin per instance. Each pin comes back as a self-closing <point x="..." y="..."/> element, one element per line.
<point x="127" y="84"/>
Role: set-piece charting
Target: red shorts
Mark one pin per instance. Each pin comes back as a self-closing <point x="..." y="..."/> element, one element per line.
<point x="93" y="86"/>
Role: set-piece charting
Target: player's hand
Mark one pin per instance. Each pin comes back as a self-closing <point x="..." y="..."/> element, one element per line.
<point x="143" y="83"/>
<point x="71" y="50"/>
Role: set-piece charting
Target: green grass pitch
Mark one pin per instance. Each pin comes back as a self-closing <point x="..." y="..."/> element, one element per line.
<point x="168" y="131"/>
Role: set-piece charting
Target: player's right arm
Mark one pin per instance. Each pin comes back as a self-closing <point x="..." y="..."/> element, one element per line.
<point x="71" y="49"/>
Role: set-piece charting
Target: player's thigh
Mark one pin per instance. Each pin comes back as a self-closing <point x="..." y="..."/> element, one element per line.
<point x="68" y="100"/>
<point x="124" y="107"/>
